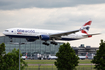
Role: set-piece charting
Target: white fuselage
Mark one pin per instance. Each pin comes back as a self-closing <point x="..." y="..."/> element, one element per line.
<point x="35" y="33"/>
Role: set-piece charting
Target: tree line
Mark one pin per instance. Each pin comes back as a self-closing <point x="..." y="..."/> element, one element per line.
<point x="67" y="59"/>
<point x="10" y="61"/>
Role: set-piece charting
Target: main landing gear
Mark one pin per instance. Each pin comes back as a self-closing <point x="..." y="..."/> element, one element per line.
<point x="45" y="43"/>
<point x="53" y="43"/>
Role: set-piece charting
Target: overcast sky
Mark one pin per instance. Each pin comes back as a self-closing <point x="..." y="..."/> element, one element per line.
<point x="63" y="15"/>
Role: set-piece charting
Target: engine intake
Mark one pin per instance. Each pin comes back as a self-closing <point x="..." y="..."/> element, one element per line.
<point x="44" y="37"/>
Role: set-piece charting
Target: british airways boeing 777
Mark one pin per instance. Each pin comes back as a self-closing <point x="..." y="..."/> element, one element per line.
<point x="52" y="35"/>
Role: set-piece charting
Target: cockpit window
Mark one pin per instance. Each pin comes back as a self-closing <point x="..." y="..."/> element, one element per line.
<point x="6" y="31"/>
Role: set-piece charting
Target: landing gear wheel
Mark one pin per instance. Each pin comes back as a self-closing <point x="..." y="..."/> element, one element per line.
<point x="53" y="43"/>
<point x="45" y="43"/>
<point x="11" y="39"/>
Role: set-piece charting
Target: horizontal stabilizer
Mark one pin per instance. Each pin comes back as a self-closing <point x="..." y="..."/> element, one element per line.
<point x="94" y="34"/>
<point x="90" y="35"/>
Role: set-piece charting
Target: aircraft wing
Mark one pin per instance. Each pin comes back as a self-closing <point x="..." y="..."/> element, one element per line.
<point x="64" y="33"/>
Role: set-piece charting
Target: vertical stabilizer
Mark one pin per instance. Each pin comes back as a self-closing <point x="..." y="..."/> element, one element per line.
<point x="87" y="55"/>
<point x="86" y="27"/>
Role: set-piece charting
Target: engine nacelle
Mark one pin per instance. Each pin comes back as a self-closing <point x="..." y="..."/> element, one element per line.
<point x="44" y="37"/>
<point x="30" y="40"/>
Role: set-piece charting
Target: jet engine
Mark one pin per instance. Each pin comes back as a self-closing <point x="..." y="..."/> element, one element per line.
<point x="44" y="37"/>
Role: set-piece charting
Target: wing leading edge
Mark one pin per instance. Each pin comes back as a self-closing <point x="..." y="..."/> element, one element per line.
<point x="64" y="33"/>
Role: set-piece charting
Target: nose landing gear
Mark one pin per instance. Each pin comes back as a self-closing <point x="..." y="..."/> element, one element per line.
<point x="11" y="39"/>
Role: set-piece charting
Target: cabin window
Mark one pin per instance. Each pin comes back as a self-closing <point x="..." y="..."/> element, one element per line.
<point x="6" y="31"/>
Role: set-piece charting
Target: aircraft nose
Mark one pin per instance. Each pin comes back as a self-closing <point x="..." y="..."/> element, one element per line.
<point x="5" y="32"/>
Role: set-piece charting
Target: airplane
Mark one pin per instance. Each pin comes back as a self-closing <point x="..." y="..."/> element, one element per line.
<point x="83" y="57"/>
<point x="52" y="57"/>
<point x="49" y="35"/>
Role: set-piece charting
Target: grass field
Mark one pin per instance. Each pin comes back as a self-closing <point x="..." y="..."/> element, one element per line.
<point x="53" y="67"/>
<point x="81" y="66"/>
<point x="52" y="61"/>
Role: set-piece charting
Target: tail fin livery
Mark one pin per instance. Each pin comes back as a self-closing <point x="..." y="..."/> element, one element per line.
<point x="85" y="30"/>
<point x="86" y="27"/>
<point x="26" y="55"/>
<point x="87" y="55"/>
